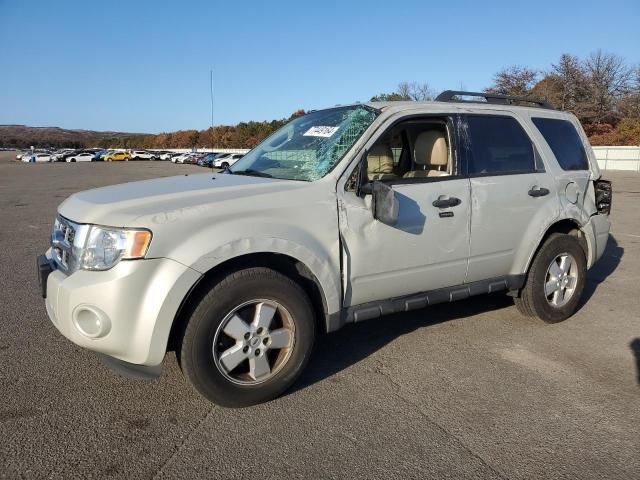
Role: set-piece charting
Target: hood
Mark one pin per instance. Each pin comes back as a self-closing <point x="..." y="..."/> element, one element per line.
<point x="131" y="204"/>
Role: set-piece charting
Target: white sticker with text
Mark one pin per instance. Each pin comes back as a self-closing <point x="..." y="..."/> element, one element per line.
<point x="320" y="131"/>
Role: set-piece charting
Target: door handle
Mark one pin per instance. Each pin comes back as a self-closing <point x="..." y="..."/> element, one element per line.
<point x="445" y="202"/>
<point x="538" y="191"/>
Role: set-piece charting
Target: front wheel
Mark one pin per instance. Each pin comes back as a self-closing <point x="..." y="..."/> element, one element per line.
<point x="555" y="280"/>
<point x="249" y="338"/>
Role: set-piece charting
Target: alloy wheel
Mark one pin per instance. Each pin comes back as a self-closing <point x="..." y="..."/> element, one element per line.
<point x="561" y="280"/>
<point x="254" y="341"/>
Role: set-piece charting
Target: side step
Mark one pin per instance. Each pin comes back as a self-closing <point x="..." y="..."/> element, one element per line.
<point x="368" y="311"/>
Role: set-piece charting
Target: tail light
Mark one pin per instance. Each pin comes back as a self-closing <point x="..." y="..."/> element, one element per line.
<point x="603" y="196"/>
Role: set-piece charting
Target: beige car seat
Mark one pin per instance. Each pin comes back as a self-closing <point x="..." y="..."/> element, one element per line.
<point x="380" y="163"/>
<point x="430" y="151"/>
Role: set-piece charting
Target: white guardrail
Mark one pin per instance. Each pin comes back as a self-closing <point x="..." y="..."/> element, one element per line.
<point x="618" y="158"/>
<point x="203" y="150"/>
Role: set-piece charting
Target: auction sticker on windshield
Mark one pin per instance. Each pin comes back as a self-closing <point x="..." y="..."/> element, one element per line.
<point x="320" y="131"/>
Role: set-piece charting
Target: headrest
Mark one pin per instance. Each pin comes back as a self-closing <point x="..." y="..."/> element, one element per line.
<point x="380" y="159"/>
<point x="431" y="148"/>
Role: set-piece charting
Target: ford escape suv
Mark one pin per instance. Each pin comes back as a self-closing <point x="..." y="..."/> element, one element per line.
<point x="342" y="215"/>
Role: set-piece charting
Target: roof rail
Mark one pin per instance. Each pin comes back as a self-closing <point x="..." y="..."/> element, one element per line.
<point x="449" y="96"/>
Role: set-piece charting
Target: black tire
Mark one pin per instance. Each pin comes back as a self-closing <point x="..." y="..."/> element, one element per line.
<point x="225" y="164"/>
<point x="523" y="306"/>
<point x="195" y="352"/>
<point x="533" y="300"/>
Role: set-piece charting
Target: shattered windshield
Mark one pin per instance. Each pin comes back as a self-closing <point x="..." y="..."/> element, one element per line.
<point x="308" y="147"/>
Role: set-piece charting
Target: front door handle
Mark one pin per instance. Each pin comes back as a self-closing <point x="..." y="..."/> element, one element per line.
<point x="538" y="191"/>
<point x="445" y="202"/>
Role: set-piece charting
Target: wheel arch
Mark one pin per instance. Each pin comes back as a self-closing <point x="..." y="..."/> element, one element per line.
<point x="282" y="263"/>
<point x="567" y="226"/>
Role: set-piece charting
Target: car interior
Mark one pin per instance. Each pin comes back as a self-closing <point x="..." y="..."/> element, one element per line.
<point x="411" y="150"/>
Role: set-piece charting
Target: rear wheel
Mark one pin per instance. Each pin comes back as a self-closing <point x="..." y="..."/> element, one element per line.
<point x="248" y="339"/>
<point x="555" y="280"/>
<point x="225" y="164"/>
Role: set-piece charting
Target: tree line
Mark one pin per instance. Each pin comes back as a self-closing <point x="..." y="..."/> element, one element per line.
<point x="602" y="90"/>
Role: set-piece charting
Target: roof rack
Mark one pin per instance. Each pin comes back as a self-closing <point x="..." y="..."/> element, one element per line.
<point x="449" y="96"/>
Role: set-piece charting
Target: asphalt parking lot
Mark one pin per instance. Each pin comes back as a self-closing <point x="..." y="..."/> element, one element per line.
<point x="465" y="390"/>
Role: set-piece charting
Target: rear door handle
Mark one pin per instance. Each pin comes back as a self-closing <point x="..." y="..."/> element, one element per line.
<point x="538" y="191"/>
<point x="445" y="202"/>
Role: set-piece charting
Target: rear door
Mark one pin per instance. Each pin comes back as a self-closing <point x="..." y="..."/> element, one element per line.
<point x="566" y="146"/>
<point x="510" y="194"/>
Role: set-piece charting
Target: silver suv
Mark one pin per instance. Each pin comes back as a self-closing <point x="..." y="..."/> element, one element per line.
<point x="343" y="215"/>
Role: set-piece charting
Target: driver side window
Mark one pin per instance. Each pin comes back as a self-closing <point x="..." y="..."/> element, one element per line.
<point x="413" y="151"/>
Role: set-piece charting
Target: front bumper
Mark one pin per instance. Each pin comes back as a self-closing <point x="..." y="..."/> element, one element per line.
<point x="125" y="312"/>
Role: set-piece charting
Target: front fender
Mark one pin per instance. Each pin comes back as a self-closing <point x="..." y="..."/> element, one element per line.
<point x="322" y="267"/>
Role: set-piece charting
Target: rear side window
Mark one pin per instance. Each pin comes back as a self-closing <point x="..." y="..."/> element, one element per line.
<point x="499" y="145"/>
<point x="564" y="141"/>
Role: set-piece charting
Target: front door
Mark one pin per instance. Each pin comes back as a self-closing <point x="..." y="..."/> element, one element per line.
<point x="428" y="247"/>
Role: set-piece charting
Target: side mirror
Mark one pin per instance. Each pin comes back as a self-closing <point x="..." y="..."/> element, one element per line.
<point x="384" y="203"/>
<point x="363" y="186"/>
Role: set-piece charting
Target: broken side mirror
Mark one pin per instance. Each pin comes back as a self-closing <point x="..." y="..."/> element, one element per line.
<point x="363" y="185"/>
<point x="384" y="203"/>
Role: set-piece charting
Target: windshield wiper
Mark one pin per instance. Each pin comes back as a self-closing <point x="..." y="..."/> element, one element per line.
<point x="252" y="173"/>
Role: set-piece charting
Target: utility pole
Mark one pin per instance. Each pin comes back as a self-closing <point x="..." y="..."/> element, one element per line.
<point x="211" y="91"/>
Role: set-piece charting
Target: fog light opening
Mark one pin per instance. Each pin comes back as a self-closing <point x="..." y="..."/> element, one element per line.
<point x="91" y="322"/>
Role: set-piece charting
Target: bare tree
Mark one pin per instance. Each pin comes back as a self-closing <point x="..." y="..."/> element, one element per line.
<point x="418" y="92"/>
<point x="514" y="80"/>
<point x="413" y="91"/>
<point x="609" y="79"/>
<point x="571" y="80"/>
<point x="629" y="105"/>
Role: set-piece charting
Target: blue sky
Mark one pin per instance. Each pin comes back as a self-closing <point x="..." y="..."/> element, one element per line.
<point x="144" y="65"/>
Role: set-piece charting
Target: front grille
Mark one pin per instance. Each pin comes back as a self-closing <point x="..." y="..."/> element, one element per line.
<point x="62" y="242"/>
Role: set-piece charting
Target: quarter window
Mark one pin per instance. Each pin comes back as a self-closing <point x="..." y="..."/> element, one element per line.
<point x="564" y="141"/>
<point x="498" y="145"/>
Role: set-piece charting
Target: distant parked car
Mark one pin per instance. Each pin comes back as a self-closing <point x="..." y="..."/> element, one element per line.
<point x="193" y="158"/>
<point x="117" y="156"/>
<point x="164" y="155"/>
<point x="81" y="157"/>
<point x="227" y="160"/>
<point x="207" y="160"/>
<point x="142" y="155"/>
<point x="61" y="155"/>
<point x="38" y="157"/>
<point x="182" y="157"/>
<point x="98" y="155"/>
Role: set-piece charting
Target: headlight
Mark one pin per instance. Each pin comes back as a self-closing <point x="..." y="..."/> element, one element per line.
<point x="105" y="247"/>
